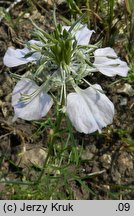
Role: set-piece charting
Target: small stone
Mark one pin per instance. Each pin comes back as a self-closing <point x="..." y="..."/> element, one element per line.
<point x="33" y="156"/>
<point x="123" y="101"/>
<point x="27" y="15"/>
<point x="106" y="160"/>
<point x="106" y="187"/>
<point x="86" y="155"/>
<point x="126" y="89"/>
<point x="116" y="176"/>
<point x="125" y="163"/>
<point x="93" y="149"/>
<point x="8" y="97"/>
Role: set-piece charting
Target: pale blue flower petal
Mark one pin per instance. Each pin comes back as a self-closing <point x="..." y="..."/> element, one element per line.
<point x="80" y="114"/>
<point x="34" y="109"/>
<point x="108" y="63"/>
<point x="101" y="107"/>
<point x="36" y="42"/>
<point x="15" y="57"/>
<point x="82" y="35"/>
<point x="89" y="110"/>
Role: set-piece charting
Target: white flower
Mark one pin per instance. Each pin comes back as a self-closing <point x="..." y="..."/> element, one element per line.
<point x="35" y="108"/>
<point x="15" y="57"/>
<point x="89" y="110"/>
<point x="82" y="35"/>
<point x="108" y="63"/>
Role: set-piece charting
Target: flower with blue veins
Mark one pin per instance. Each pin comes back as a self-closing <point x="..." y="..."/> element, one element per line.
<point x="63" y="60"/>
<point x="15" y="57"/>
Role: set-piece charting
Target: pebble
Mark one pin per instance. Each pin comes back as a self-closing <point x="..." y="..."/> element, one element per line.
<point x="126" y="89"/>
<point x="86" y="155"/>
<point x="123" y="101"/>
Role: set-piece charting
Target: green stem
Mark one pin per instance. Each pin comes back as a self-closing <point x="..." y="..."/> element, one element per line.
<point x="44" y="165"/>
<point x="51" y="144"/>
